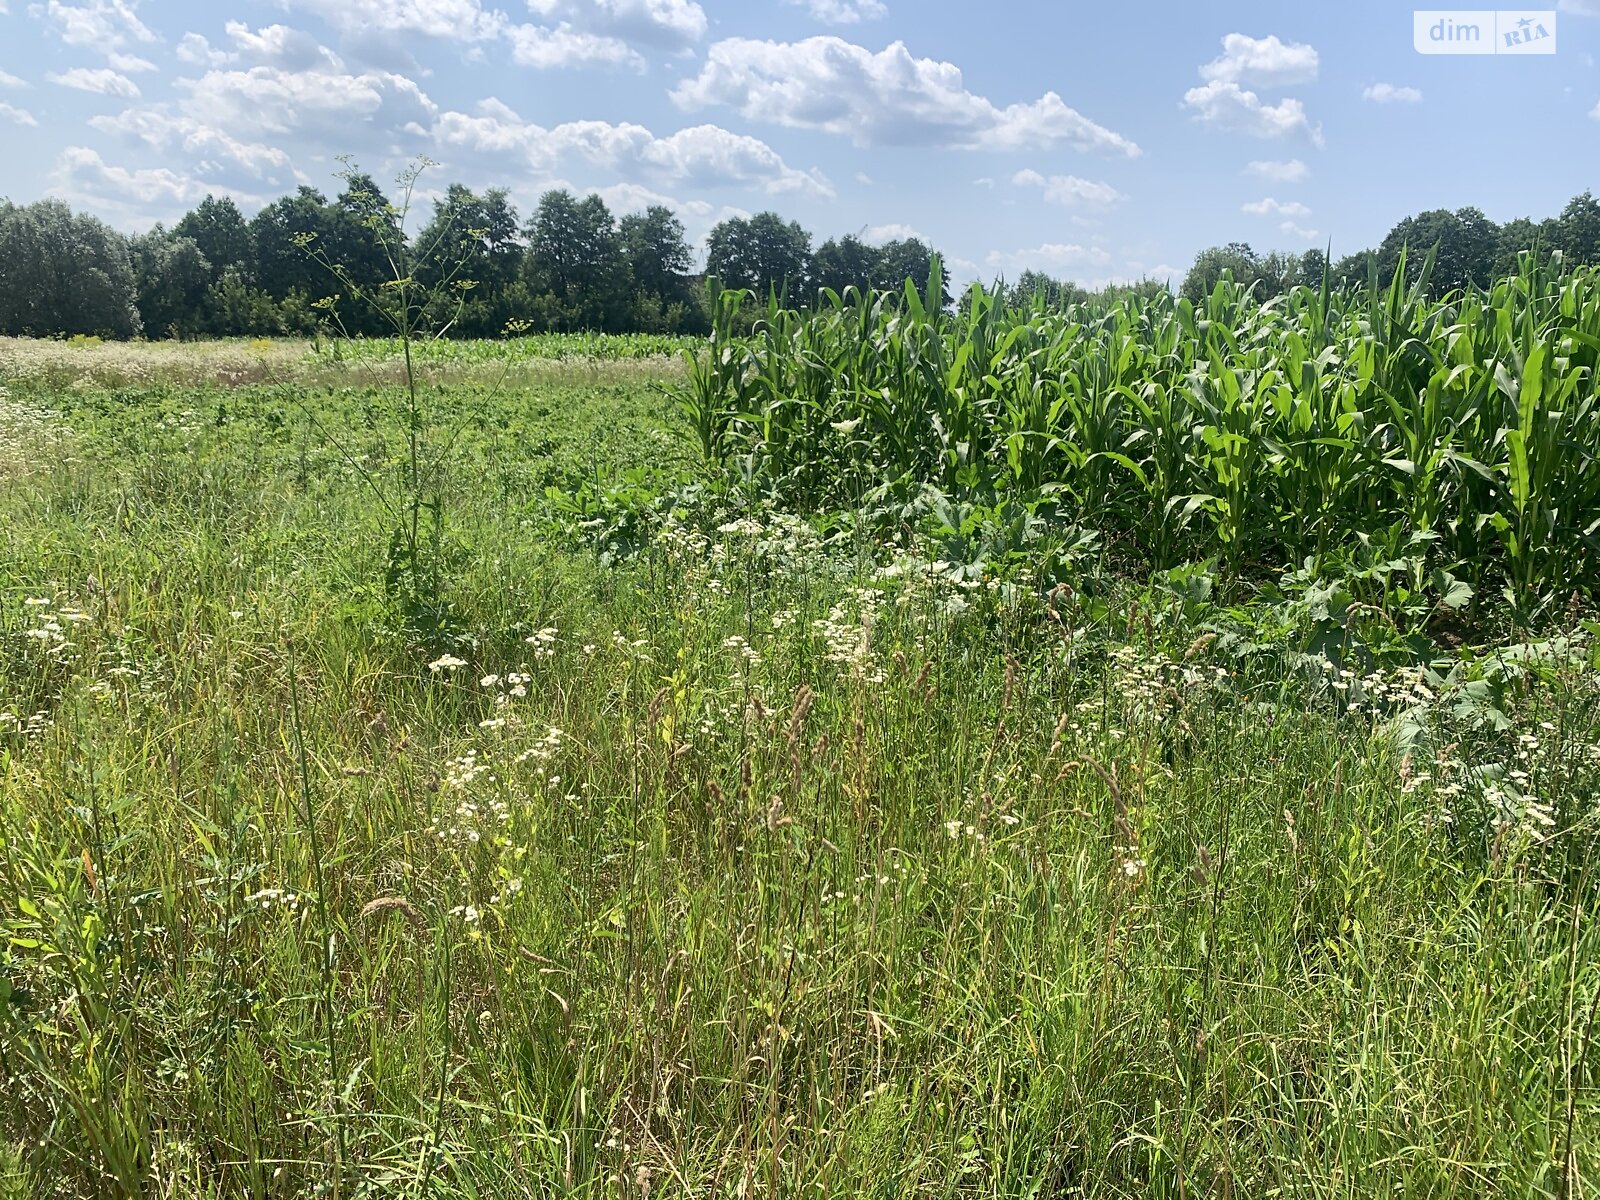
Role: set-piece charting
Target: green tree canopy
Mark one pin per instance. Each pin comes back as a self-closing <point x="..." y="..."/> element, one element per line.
<point x="62" y="272"/>
<point x="845" y="262"/>
<point x="1039" y="286"/>
<point x="1578" y="229"/>
<point x="763" y="253"/>
<point x="219" y="230"/>
<point x="172" y="279"/>
<point x="574" y="268"/>
<point x="1236" y="258"/>
<point x="282" y="262"/>
<point x="1464" y="243"/>
<point x="908" y="259"/>
<point x="658" y="254"/>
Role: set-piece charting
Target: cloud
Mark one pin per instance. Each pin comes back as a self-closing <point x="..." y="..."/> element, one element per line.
<point x="198" y="52"/>
<point x="1388" y="93"/>
<point x="1069" y="190"/>
<point x="1581" y="8"/>
<point x="103" y="25"/>
<point x="701" y="156"/>
<point x="445" y="20"/>
<point x="564" y="46"/>
<point x="101" y="80"/>
<point x="1292" y="171"/>
<point x="843" y="12"/>
<point x="1052" y="256"/>
<point x="329" y="106"/>
<point x="698" y="216"/>
<point x="1594" y="113"/>
<point x="1267" y="62"/>
<point x="130" y="63"/>
<point x="81" y="174"/>
<point x="883" y="99"/>
<point x="708" y="155"/>
<point x="663" y="24"/>
<point x="164" y="131"/>
<point x="1271" y="207"/>
<point x="17" y="116"/>
<point x="877" y="235"/>
<point x="1299" y="233"/>
<point x="282" y="48"/>
<point x="8" y="80"/>
<point x="1226" y="105"/>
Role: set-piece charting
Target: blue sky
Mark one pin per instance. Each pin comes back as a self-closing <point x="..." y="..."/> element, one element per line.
<point x="1094" y="141"/>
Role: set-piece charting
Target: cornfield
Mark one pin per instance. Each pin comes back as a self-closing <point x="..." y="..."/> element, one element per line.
<point x="1256" y="434"/>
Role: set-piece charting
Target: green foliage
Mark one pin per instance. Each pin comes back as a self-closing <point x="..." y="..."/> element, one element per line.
<point x="763" y="254"/>
<point x="62" y="273"/>
<point x="222" y="234"/>
<point x="1463" y="247"/>
<point x="172" y="278"/>
<point x="913" y="261"/>
<point x="846" y="262"/>
<point x="575" y="271"/>
<point x="1255" y="433"/>
<point x="741" y="854"/>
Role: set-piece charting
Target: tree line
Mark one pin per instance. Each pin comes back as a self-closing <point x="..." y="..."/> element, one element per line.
<point x="1469" y="250"/>
<point x="571" y="266"/>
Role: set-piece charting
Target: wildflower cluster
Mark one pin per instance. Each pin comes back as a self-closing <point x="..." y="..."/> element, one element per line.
<point x="1377" y="693"/>
<point x="847" y="636"/>
<point x="933" y="586"/>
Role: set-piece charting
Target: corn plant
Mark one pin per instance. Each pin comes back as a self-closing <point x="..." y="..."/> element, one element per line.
<point x="1256" y="434"/>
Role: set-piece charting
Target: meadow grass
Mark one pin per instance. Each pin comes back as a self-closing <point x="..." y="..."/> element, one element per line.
<point x="718" y="853"/>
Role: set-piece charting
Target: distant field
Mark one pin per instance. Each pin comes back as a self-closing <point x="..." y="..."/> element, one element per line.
<point x="797" y="818"/>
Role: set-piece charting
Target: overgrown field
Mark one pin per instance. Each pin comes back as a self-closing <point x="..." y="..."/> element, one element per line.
<point x="737" y="830"/>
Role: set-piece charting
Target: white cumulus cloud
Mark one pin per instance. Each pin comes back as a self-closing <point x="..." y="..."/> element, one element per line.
<point x="1051" y="256"/>
<point x="887" y="98"/>
<point x="101" y="80"/>
<point x="701" y="156"/>
<point x="843" y="12"/>
<point x="895" y="231"/>
<point x="282" y="48"/>
<point x="1388" y="93"/>
<point x="1299" y="233"/>
<point x="1069" y="190"/>
<point x="664" y="24"/>
<point x="564" y="46"/>
<point x="1290" y="171"/>
<point x="325" y="106"/>
<point x="1266" y="62"/>
<point x="195" y="50"/>
<point x="444" y="20"/>
<point x="1270" y="207"/>
<point x="103" y="25"/>
<point x="9" y="80"/>
<point x="1226" y="105"/>
<point x="165" y="131"/>
<point x="17" y="116"/>
<point x="130" y="63"/>
<point x="81" y="174"/>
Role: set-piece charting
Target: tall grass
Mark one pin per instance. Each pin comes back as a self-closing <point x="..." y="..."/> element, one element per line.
<point x="1258" y="434"/>
<point x="746" y="865"/>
